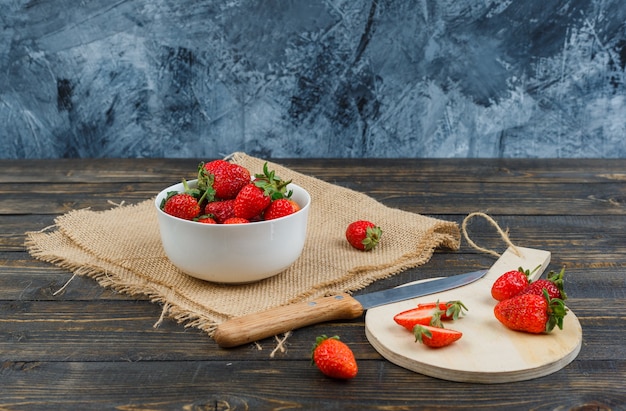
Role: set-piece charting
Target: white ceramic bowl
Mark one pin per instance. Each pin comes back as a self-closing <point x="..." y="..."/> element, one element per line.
<point x="234" y="253"/>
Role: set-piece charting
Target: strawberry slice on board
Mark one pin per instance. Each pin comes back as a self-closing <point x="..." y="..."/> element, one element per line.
<point x="430" y="314"/>
<point x="435" y="337"/>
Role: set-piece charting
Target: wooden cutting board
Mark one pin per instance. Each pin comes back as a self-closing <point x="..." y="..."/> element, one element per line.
<point x="488" y="352"/>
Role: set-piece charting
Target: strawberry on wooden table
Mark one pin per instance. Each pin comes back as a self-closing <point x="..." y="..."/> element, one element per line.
<point x="531" y="313"/>
<point x="363" y="235"/>
<point x="334" y="358"/>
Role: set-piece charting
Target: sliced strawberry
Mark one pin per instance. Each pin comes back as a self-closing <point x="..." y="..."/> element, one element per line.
<point x="416" y="316"/>
<point x="435" y="337"/>
<point x="430" y="314"/>
<point x="451" y="310"/>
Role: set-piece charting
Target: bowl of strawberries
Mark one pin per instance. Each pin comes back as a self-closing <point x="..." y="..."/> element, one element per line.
<point x="232" y="226"/>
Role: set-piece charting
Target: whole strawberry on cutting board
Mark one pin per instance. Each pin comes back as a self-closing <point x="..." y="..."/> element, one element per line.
<point x="489" y="352"/>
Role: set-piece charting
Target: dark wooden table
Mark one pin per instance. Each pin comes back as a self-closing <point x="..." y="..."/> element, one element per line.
<point x="91" y="348"/>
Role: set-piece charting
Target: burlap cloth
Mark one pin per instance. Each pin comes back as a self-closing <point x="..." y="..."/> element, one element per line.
<point x="121" y="248"/>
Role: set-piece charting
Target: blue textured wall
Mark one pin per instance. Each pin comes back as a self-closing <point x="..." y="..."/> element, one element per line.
<point x="334" y="78"/>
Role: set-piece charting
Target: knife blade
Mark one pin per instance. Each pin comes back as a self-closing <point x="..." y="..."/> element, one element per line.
<point x="343" y="306"/>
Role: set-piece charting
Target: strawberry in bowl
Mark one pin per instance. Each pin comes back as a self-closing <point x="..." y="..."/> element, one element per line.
<point x="229" y="232"/>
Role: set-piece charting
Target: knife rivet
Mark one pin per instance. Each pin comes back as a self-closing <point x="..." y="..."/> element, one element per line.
<point x="339" y="297"/>
<point x="312" y="303"/>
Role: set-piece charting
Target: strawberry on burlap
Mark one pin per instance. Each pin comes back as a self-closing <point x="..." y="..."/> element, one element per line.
<point x="121" y="248"/>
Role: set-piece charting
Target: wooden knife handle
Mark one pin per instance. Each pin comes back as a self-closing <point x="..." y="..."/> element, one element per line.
<point x="254" y="327"/>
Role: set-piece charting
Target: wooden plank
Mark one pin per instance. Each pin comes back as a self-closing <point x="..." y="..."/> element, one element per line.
<point x="468" y="169"/>
<point x="212" y="385"/>
<point x="521" y="187"/>
<point x="463" y="170"/>
<point x="109" y="170"/>
<point x="91" y="348"/>
<point x="432" y="198"/>
<point x="38" y="281"/>
<point x="599" y="238"/>
<point x="108" y="329"/>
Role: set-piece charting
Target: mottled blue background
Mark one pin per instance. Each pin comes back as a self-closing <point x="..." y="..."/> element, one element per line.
<point x="334" y="78"/>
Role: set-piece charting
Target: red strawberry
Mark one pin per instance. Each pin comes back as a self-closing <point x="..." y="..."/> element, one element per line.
<point x="236" y="220"/>
<point x="216" y="165"/>
<point x="531" y="313"/>
<point x="553" y="285"/>
<point x="334" y="358"/>
<point x="254" y="197"/>
<point x="181" y="205"/>
<point x="435" y="337"/>
<point x="228" y="178"/>
<point x="510" y="283"/>
<point x="430" y="314"/>
<point x="220" y="210"/>
<point x="280" y="208"/>
<point x="296" y="206"/>
<point x="363" y="235"/>
<point x="250" y="202"/>
<point x="206" y="220"/>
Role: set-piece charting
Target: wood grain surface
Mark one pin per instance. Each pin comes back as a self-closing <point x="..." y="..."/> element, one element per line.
<point x="80" y="346"/>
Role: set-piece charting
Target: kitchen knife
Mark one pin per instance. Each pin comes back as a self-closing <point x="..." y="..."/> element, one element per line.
<point x="253" y="327"/>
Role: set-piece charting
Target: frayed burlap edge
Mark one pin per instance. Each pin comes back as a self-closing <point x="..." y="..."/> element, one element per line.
<point x="102" y="273"/>
<point x="104" y="277"/>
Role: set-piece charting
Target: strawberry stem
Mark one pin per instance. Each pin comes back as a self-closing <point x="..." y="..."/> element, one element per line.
<point x="420" y="332"/>
<point x="272" y="185"/>
<point x="557" y="279"/>
<point x="455" y="309"/>
<point x="556" y="312"/>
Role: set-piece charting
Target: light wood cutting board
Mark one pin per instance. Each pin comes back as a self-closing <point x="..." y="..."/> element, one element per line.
<point x="488" y="352"/>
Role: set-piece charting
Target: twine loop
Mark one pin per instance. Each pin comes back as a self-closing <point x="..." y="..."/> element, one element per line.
<point x="503" y="234"/>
